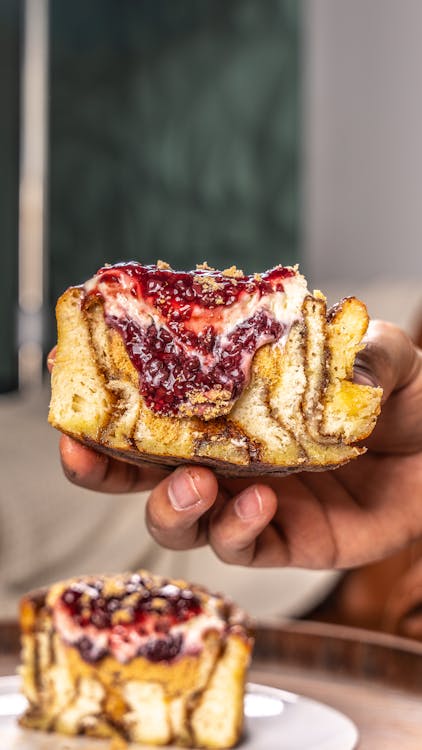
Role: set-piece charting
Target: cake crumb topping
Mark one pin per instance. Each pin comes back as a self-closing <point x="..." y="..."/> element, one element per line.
<point x="209" y="283"/>
<point x="233" y="273"/>
<point x="163" y="266"/>
<point x="204" y="267"/>
<point x="154" y="617"/>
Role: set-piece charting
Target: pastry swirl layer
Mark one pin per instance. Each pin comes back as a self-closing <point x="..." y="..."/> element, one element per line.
<point x="297" y="408"/>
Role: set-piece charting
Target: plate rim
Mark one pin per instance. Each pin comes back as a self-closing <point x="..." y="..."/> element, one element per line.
<point x="11" y="684"/>
<point x="294" y="698"/>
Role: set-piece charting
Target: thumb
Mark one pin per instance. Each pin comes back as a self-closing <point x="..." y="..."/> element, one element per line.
<point x="391" y="360"/>
<point x="388" y="359"/>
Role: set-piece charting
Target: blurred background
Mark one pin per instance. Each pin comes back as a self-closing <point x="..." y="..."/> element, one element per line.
<point x="241" y="132"/>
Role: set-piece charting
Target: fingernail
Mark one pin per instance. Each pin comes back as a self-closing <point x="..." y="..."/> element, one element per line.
<point x="183" y="490"/>
<point x="363" y="376"/>
<point x="248" y="504"/>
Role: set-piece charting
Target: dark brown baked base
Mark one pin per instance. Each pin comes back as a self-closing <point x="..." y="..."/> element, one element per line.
<point x="220" y="468"/>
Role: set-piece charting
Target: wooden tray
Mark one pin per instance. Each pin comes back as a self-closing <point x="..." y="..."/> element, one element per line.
<point x="375" y="679"/>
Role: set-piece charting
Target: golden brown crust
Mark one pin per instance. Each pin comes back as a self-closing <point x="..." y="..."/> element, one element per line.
<point x="300" y="411"/>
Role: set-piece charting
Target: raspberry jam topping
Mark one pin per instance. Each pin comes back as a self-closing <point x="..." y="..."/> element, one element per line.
<point x="190" y="335"/>
<point x="137" y="618"/>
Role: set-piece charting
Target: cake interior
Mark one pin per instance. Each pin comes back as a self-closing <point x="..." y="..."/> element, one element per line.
<point x="135" y="656"/>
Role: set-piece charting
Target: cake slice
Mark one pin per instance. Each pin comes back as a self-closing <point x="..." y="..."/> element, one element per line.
<point x="246" y="374"/>
<point x="148" y="659"/>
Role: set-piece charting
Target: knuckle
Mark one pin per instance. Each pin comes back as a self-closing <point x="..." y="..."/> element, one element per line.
<point x="231" y="550"/>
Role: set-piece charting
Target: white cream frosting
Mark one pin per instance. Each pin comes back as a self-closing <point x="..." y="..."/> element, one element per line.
<point x="125" y="642"/>
<point x="285" y="307"/>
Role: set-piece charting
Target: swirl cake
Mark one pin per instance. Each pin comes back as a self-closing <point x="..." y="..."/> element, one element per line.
<point x="135" y="656"/>
<point x="246" y="374"/>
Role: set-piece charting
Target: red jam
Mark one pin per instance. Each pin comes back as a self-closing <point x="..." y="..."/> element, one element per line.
<point x="88" y="606"/>
<point x="183" y="347"/>
<point x="148" y="611"/>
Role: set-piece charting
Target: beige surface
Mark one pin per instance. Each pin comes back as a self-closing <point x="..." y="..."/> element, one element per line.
<point x="50" y="529"/>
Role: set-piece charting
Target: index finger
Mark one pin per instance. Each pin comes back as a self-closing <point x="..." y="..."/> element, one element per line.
<point x="176" y="507"/>
<point x="87" y="468"/>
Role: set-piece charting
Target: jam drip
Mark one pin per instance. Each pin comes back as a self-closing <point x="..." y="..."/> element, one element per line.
<point x="182" y="348"/>
<point x="169" y="374"/>
<point x="135" y="613"/>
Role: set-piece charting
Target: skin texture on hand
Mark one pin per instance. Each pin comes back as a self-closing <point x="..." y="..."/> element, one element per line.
<point x="333" y="519"/>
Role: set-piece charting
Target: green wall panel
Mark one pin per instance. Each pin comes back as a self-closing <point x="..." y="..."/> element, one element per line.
<point x="174" y="130"/>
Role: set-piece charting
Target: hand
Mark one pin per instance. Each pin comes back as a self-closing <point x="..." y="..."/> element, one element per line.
<point x="333" y="519"/>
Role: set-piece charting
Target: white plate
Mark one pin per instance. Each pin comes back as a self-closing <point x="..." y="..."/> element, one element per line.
<point x="275" y="720"/>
